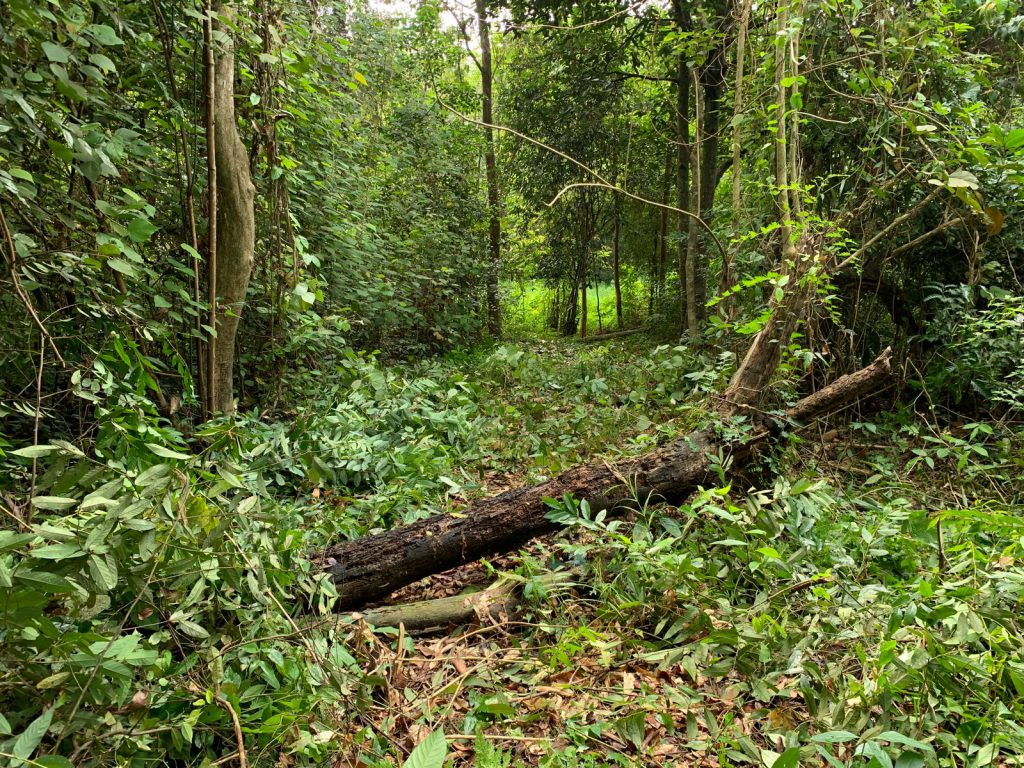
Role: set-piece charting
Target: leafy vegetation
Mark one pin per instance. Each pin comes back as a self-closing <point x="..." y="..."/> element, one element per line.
<point x="281" y="275"/>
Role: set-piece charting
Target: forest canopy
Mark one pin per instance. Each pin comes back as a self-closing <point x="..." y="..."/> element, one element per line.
<point x="647" y="376"/>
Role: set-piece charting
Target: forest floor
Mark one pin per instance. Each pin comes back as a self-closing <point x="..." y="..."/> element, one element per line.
<point x="849" y="601"/>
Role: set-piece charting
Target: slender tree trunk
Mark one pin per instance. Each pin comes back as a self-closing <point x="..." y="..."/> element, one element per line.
<point x="235" y="221"/>
<point x="794" y="139"/>
<point x="781" y="158"/>
<point x="617" y="232"/>
<point x="727" y="278"/>
<point x="712" y="82"/>
<point x="663" y="230"/>
<point x="762" y="358"/>
<point x="583" y="295"/>
<point x="572" y="305"/>
<point x="616" y="269"/>
<point x="693" y="255"/>
<point x="682" y="175"/>
<point x="556" y="308"/>
<point x="210" y="383"/>
<point x="493" y="200"/>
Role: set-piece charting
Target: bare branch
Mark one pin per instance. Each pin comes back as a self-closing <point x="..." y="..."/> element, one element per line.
<point x="601" y="180"/>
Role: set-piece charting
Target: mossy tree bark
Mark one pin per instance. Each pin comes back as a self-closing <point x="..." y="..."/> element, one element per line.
<point x="235" y="216"/>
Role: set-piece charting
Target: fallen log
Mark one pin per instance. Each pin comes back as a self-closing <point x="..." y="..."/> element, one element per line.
<point x="609" y="336"/>
<point x="372" y="567"/>
<point x="497" y="600"/>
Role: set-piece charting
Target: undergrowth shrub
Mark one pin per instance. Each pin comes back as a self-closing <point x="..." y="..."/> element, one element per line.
<point x="896" y="625"/>
<point x="978" y="337"/>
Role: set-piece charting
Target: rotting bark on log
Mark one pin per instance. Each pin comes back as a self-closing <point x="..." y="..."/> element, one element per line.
<point x="372" y="567"/>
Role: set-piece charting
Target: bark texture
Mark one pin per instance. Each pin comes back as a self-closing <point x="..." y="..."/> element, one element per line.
<point x="496" y="601"/>
<point x="682" y="158"/>
<point x="491" y="167"/>
<point x="370" y="568"/>
<point x="236" y="223"/>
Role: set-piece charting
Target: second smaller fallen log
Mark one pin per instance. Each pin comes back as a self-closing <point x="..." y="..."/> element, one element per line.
<point x="497" y="600"/>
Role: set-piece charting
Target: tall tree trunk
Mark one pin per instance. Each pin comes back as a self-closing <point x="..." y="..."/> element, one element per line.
<point x="712" y="82"/>
<point x="616" y="269"/>
<point x="762" y="358"/>
<point x="727" y="277"/>
<point x="209" y="371"/>
<point x="583" y="294"/>
<point x="693" y="255"/>
<point x="493" y="202"/>
<point x="235" y="219"/>
<point x="572" y="305"/>
<point x="663" y="230"/>
<point x="794" y="138"/>
<point x="682" y="175"/>
<point x="555" y="316"/>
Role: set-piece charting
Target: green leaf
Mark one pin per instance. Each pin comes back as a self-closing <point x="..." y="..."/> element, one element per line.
<point x="103" y="571"/>
<point x="152" y="475"/>
<point x="429" y="753"/>
<point x="29" y="739"/>
<point x="122" y="266"/>
<point x="52" y="681"/>
<point x="788" y="759"/>
<point x="140" y="229"/>
<point x="632" y="728"/>
<point x="834" y="737"/>
<point x="10" y="540"/>
<point x="53" y="502"/>
<point x="984" y="756"/>
<point x="56" y="53"/>
<point x="56" y="552"/>
<point x="102" y="62"/>
<point x="1015" y="139"/>
<point x="964" y="179"/>
<point x="5" y="727"/>
<point x="875" y="754"/>
<point x="44" y="581"/>
<point x="103" y="34"/>
<point x="166" y="453"/>
<point x="53" y="761"/>
<point x="898" y="738"/>
<point x="34" y="451"/>
<point x="190" y="628"/>
<point x="909" y="759"/>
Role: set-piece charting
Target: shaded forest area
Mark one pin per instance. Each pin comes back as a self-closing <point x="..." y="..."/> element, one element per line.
<point x="511" y="382"/>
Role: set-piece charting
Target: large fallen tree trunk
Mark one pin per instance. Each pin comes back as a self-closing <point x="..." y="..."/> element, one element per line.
<point x="370" y="568"/>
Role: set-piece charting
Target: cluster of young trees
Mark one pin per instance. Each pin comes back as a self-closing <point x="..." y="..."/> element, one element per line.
<point x="199" y="201"/>
<point x="868" y="144"/>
